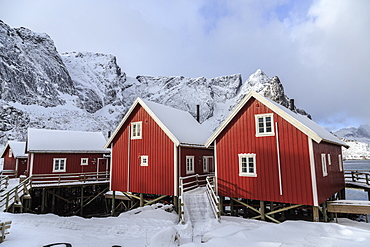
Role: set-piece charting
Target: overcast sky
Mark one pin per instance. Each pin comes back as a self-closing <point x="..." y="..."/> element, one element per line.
<point x="319" y="49"/>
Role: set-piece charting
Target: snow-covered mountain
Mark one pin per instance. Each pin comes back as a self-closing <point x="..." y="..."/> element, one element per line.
<point x="359" y="141"/>
<point x="88" y="91"/>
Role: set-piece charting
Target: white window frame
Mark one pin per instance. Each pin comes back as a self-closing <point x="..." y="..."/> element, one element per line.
<point x="206" y="164"/>
<point x="59" y="159"/>
<point x="329" y="159"/>
<point x="324" y="165"/>
<point x="10" y="152"/>
<point x="84" y="161"/>
<point x="340" y="162"/>
<point x="264" y="116"/>
<point x="247" y="173"/>
<point x="189" y="168"/>
<point x="134" y="133"/>
<point x="144" y="160"/>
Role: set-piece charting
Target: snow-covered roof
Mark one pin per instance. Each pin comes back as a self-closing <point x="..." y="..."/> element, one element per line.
<point x="304" y="124"/>
<point x="64" y="141"/>
<point x="18" y="149"/>
<point x="180" y="126"/>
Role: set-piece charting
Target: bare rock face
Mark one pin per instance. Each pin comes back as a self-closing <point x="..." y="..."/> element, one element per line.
<point x="88" y="91"/>
<point x="13" y="123"/>
<point x="31" y="70"/>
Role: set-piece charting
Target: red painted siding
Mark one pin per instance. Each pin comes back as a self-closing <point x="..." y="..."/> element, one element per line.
<point x="240" y="137"/>
<point x="43" y="162"/>
<point x="158" y="176"/>
<point x="328" y="185"/>
<point x="198" y="154"/>
<point x="9" y="162"/>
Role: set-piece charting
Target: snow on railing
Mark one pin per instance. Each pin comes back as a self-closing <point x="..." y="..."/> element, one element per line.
<point x="212" y="197"/>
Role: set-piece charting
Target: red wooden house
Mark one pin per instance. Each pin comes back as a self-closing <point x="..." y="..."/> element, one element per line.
<point x="153" y="146"/>
<point x="264" y="151"/>
<point x="15" y="159"/>
<point x="60" y="152"/>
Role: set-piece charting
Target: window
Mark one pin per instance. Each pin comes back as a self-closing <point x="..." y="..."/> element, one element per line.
<point x="205" y="164"/>
<point x="10" y="152"/>
<point x="189" y="164"/>
<point x="247" y="165"/>
<point x="324" y="167"/>
<point x="340" y="161"/>
<point x="84" y="161"/>
<point x="59" y="165"/>
<point x="329" y="159"/>
<point x="144" y="160"/>
<point x="264" y="125"/>
<point x="136" y="130"/>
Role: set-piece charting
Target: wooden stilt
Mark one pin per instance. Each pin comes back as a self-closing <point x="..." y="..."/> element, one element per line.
<point x="315" y="213"/>
<point x="113" y="203"/>
<point x="221" y="205"/>
<point x="43" y="200"/>
<point x="141" y="199"/>
<point x="262" y="210"/>
<point x="232" y="208"/>
<point x="175" y="200"/>
<point x="53" y="202"/>
<point x="325" y="212"/>
<point x="82" y="200"/>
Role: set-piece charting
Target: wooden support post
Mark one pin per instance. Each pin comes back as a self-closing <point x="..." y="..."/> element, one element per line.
<point x="368" y="195"/>
<point x="113" y="203"/>
<point x="262" y="210"/>
<point x="272" y="209"/>
<point x="175" y="200"/>
<point x="232" y="207"/>
<point x="43" y="200"/>
<point x="325" y="212"/>
<point x="82" y="200"/>
<point x="221" y="205"/>
<point x="141" y="199"/>
<point x="53" y="202"/>
<point x="315" y="214"/>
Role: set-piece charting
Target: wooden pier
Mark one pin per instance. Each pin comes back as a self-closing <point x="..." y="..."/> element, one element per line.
<point x="62" y="194"/>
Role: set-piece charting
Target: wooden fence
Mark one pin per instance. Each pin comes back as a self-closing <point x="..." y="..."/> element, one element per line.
<point x="359" y="176"/>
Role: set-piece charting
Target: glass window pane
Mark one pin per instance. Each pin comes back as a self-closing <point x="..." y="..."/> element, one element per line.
<point x="56" y="165"/>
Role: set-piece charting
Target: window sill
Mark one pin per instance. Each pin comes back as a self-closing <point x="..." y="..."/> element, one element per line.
<point x="247" y="175"/>
<point x="262" y="135"/>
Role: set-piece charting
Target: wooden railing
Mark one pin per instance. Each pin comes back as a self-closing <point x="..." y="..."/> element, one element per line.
<point x="360" y="176"/>
<point x="212" y="197"/>
<point x="63" y="178"/>
<point x="4" y="182"/>
<point x="10" y="173"/>
<point x="188" y="183"/>
<point x="14" y="195"/>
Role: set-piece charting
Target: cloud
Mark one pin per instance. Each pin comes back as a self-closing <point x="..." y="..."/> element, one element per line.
<point x="319" y="49"/>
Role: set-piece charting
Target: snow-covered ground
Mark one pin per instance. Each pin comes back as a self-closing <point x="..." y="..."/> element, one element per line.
<point x="153" y="226"/>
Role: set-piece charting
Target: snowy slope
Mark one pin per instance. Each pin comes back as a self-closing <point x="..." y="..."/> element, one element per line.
<point x="153" y="226"/>
<point x="359" y="141"/>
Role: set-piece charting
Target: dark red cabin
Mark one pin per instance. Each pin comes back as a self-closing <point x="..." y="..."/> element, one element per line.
<point x="15" y="159"/>
<point x="266" y="152"/>
<point x="59" y="152"/>
<point x="153" y="146"/>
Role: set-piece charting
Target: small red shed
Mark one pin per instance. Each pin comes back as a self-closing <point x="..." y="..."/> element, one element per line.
<point x="59" y="152"/>
<point x="15" y="159"/>
<point x="153" y="146"/>
<point x="264" y="151"/>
